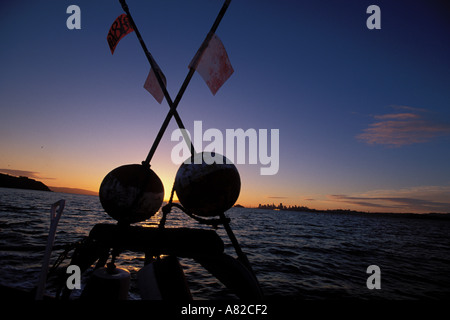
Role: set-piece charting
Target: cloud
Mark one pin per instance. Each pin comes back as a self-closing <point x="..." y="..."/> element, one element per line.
<point x="20" y="173"/>
<point x="424" y="199"/>
<point x="408" y="108"/>
<point x="398" y="116"/>
<point x="274" y="197"/>
<point x="399" y="129"/>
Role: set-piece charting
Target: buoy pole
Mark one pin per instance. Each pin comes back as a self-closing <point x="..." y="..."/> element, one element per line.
<point x="241" y="255"/>
<point x="157" y="71"/>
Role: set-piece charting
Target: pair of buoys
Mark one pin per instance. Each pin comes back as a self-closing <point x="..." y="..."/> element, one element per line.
<point x="207" y="184"/>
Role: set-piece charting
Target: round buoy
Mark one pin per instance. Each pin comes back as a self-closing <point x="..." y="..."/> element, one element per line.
<point x="207" y="184"/>
<point x="131" y="193"/>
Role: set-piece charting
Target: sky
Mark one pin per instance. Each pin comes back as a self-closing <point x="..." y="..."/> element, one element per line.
<point x="363" y="114"/>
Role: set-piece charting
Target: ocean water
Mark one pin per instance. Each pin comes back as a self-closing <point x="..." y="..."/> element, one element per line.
<point x="295" y="255"/>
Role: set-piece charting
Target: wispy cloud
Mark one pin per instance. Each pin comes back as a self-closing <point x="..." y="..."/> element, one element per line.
<point x="24" y="173"/>
<point x="275" y="197"/>
<point x="403" y="128"/>
<point x="417" y="200"/>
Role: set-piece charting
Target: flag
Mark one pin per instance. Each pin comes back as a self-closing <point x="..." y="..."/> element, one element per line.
<point x="152" y="85"/>
<point x="214" y="65"/>
<point x="119" y="29"/>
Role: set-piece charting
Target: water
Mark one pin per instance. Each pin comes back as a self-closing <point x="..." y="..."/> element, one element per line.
<point x="294" y="255"/>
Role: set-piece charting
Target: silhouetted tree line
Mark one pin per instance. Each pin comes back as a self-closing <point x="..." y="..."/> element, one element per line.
<point x="303" y="208"/>
<point x="431" y="215"/>
<point x="283" y="207"/>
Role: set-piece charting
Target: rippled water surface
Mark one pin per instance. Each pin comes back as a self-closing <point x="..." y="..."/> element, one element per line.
<point x="295" y="255"/>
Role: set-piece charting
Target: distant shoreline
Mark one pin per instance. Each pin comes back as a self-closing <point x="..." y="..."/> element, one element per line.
<point x="431" y="215"/>
<point x="74" y="191"/>
<point x="7" y="181"/>
<point x="25" y="183"/>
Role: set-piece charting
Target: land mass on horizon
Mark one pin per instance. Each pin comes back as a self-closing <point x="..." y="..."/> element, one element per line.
<point x="295" y="208"/>
<point x="7" y="181"/>
<point x="74" y="190"/>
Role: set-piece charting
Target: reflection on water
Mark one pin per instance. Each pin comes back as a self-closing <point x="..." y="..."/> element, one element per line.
<point x="295" y="255"/>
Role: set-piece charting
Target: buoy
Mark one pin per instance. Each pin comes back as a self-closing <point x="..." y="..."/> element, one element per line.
<point x="131" y="193"/>
<point x="107" y="284"/>
<point x="207" y="184"/>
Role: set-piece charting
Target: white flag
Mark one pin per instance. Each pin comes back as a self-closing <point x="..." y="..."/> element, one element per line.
<point x="214" y="65"/>
<point x="152" y="85"/>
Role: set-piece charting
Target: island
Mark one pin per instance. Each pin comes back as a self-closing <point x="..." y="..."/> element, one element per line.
<point x="296" y="208"/>
<point x="7" y="181"/>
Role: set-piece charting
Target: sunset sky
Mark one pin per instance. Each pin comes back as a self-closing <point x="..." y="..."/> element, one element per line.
<point x="363" y="115"/>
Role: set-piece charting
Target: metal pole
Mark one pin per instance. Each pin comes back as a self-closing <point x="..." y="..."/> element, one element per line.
<point x="241" y="255"/>
<point x="157" y="71"/>
<point x="174" y="104"/>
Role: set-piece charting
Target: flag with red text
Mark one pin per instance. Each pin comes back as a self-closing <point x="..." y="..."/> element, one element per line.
<point x="214" y="65"/>
<point x="119" y="29"/>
